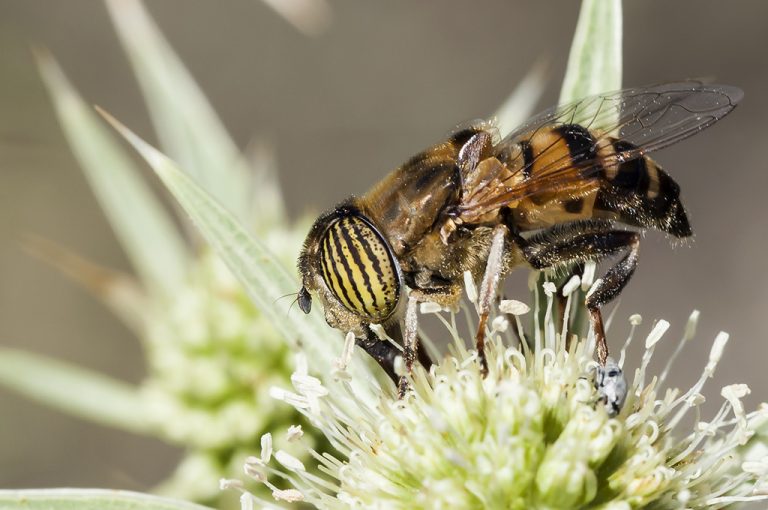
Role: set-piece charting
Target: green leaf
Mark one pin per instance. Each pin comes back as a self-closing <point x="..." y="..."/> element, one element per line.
<point x="143" y="226"/>
<point x="594" y="63"/>
<point x="89" y="499"/>
<point x="262" y="275"/>
<point x="189" y="130"/>
<point x="72" y="389"/>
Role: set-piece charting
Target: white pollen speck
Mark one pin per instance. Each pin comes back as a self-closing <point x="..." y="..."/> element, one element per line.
<point x="289" y="495"/>
<point x="228" y="483"/>
<point x="735" y="391"/>
<point x="469" y="286"/>
<point x="266" y="447"/>
<point x="656" y="333"/>
<point x="572" y="285"/>
<point x="378" y="330"/>
<point x="717" y="348"/>
<point x="514" y="307"/>
<point x="294" y="433"/>
<point x="589" y="275"/>
<point x="549" y="288"/>
<point x="690" y="327"/>
<point x="635" y="319"/>
<point x="289" y="461"/>
<point x="500" y="324"/>
<point x="430" y="307"/>
<point x="399" y="365"/>
<point x="346" y="354"/>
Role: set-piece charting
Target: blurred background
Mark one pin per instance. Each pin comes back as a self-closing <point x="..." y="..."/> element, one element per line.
<point x="380" y="82"/>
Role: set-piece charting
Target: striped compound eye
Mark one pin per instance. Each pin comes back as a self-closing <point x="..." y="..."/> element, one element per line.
<point x="359" y="269"/>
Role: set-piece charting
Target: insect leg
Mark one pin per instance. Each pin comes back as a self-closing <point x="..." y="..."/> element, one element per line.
<point x="410" y="344"/>
<point x="581" y="241"/>
<point x="385" y="352"/>
<point x="488" y="289"/>
<point x="608" y="287"/>
<point x="382" y="351"/>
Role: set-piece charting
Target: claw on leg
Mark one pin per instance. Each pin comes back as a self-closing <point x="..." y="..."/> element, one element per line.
<point x="596" y="318"/>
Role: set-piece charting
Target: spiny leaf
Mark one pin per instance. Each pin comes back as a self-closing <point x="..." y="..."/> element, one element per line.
<point x="73" y="389"/>
<point x="263" y="276"/>
<point x="89" y="499"/>
<point x="188" y="127"/>
<point x="594" y="63"/>
<point x="140" y="222"/>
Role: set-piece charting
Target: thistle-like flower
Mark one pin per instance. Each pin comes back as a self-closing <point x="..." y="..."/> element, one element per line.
<point x="546" y="428"/>
<point x="535" y="433"/>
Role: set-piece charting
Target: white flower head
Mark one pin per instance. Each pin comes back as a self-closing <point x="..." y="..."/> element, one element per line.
<point x="537" y="432"/>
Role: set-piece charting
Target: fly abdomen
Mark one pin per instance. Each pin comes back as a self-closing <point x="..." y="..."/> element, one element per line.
<point x="642" y="193"/>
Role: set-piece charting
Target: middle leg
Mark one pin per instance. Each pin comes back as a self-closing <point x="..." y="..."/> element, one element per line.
<point x="488" y="290"/>
<point x="581" y="241"/>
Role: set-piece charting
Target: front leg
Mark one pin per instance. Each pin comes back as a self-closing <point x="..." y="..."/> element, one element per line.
<point x="383" y="351"/>
<point x="581" y="241"/>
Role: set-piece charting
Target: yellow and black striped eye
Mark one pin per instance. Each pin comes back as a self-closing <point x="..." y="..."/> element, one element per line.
<point x="359" y="269"/>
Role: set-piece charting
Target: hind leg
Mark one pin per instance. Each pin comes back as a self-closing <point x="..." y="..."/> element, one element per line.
<point x="587" y="240"/>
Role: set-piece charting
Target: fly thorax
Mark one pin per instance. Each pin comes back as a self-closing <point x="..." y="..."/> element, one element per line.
<point x="359" y="269"/>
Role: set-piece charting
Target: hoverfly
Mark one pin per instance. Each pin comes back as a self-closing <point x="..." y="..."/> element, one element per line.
<point x="566" y="187"/>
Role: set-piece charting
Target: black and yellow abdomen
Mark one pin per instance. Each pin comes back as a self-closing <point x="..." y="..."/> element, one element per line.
<point x="359" y="269"/>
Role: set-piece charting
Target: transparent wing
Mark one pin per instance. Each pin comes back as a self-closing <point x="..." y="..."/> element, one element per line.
<point x="647" y="118"/>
